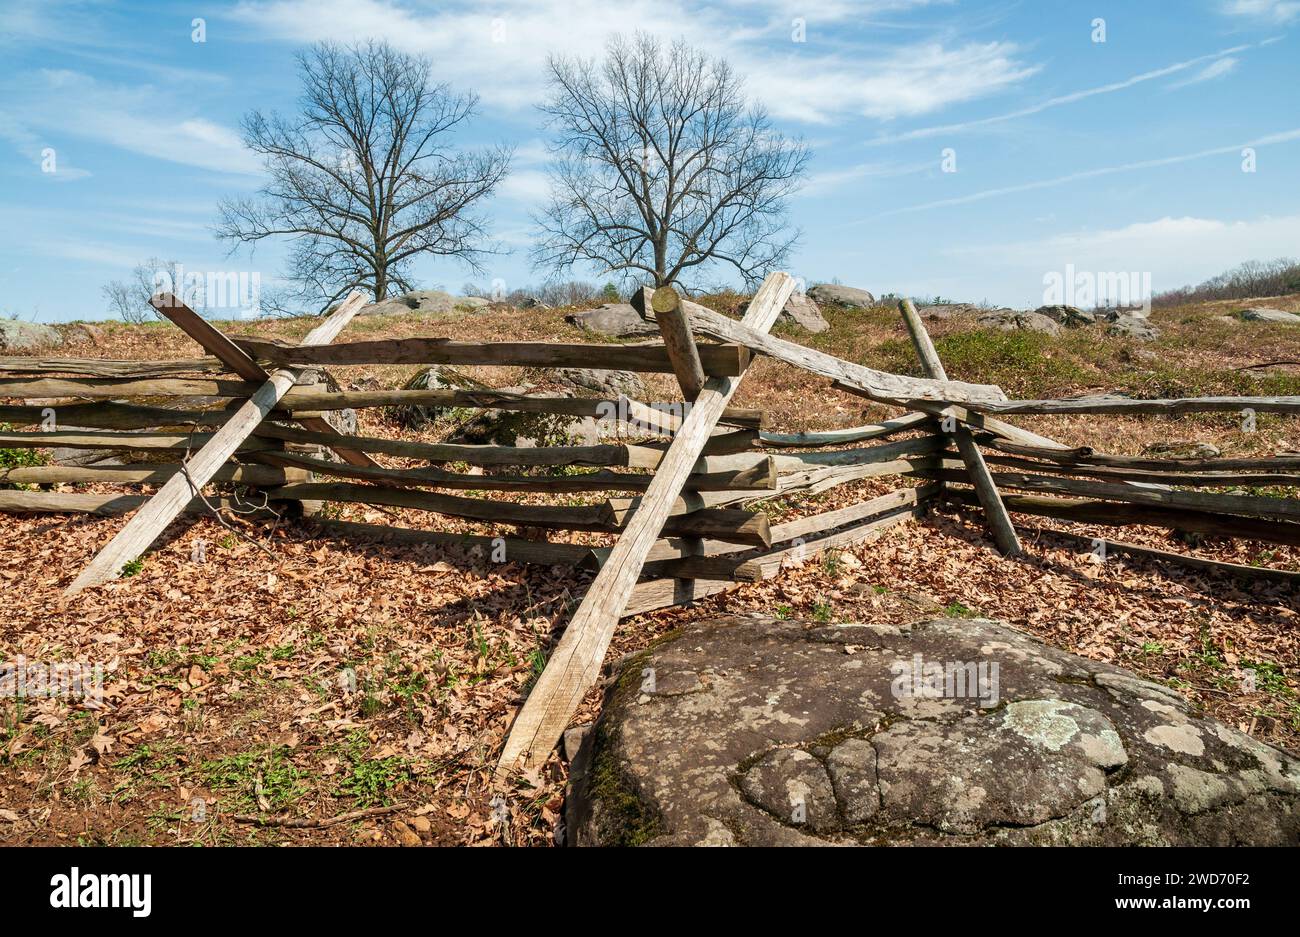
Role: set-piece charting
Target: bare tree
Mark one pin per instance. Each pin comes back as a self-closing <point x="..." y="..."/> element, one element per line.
<point x="129" y="298"/>
<point x="363" y="180"/>
<point x="661" y="169"/>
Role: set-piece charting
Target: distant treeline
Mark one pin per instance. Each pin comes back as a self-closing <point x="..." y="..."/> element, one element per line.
<point x="567" y="293"/>
<point x="1253" y="278"/>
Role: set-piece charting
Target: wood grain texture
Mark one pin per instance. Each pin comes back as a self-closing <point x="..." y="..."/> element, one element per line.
<point x="717" y="360"/>
<point x="577" y="657"/>
<point x="152" y="519"/>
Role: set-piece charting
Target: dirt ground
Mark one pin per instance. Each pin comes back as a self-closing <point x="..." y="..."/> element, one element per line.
<point x="358" y="692"/>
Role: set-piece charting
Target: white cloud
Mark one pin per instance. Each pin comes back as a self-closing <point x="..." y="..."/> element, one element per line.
<point x="501" y="51"/>
<point x="1272" y="11"/>
<point x="1283" y="137"/>
<point x="64" y="103"/>
<point x="1212" y="71"/>
<point x="948" y="129"/>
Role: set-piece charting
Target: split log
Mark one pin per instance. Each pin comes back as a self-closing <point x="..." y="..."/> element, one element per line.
<point x="878" y="385"/>
<point x="221" y="348"/>
<point x="575" y="663"/>
<point x="152" y="519"/>
<point x="143" y="474"/>
<point x="109" y="505"/>
<point x="840" y="437"/>
<point x="1243" y="505"/>
<point x="107" y="367"/>
<point x="1178" y="478"/>
<point x="1130" y="405"/>
<point x="1248" y="574"/>
<point x="1116" y="514"/>
<point x="757" y="479"/>
<point x="728" y="525"/>
<point x="680" y="344"/>
<point x="717" y="360"/>
<point x="999" y="521"/>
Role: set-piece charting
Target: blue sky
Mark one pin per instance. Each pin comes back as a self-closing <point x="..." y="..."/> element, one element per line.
<point x="1115" y="156"/>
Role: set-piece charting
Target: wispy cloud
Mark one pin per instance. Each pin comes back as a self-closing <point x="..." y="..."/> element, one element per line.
<point x="501" y="50"/>
<point x="1218" y="69"/>
<point x="142" y="119"/>
<point x="1112" y="87"/>
<point x="1271" y="11"/>
<point x="1283" y="137"/>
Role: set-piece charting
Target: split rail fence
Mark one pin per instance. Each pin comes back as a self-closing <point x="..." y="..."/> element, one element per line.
<point x="679" y="503"/>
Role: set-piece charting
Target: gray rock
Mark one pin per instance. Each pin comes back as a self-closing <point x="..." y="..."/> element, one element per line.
<point x="438" y="377"/>
<point x="532" y="302"/>
<point x="1136" y="327"/>
<point x="620" y="320"/>
<point x="948" y="310"/>
<point x="1010" y="320"/>
<point x="1069" y="316"/>
<point x="528" y="430"/>
<point x="602" y="382"/>
<point x="801" y="311"/>
<point x="17" y="335"/>
<point x="423" y="301"/>
<point x="1268" y="315"/>
<point x="1182" y="449"/>
<point x="760" y="731"/>
<point x="833" y="294"/>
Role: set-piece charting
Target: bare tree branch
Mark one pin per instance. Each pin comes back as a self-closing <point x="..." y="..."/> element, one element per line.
<point x="363" y="181"/>
<point x="660" y="168"/>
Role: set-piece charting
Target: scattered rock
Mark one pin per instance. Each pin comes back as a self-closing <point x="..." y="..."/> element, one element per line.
<point x="1011" y="320"/>
<point x="1182" y="449"/>
<point x="438" y="377"/>
<point x="424" y="301"/>
<point x="1268" y="315"/>
<point x="17" y="335"/>
<point x="801" y="311"/>
<point x="404" y="834"/>
<point x="832" y="294"/>
<point x="531" y="302"/>
<point x="1137" y="327"/>
<point x="528" y="430"/>
<point x="948" y="310"/>
<point x="620" y="320"/>
<point x="602" y="382"/>
<point x="1071" y="317"/>
<point x="759" y="731"/>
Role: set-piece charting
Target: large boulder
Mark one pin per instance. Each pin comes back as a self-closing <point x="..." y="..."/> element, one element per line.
<point x="423" y="301"/>
<point x="17" y="335"/>
<point x="833" y="294"/>
<point x="528" y="430"/>
<point x="1135" y="327"/>
<point x="801" y="311"/>
<point x="1069" y="316"/>
<point x="619" y="320"/>
<point x="438" y="377"/>
<point x="1268" y="315"/>
<point x="760" y="731"/>
<point x="1011" y="320"/>
<point x="600" y="382"/>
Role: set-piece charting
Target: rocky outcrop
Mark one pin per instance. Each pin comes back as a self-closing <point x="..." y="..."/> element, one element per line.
<point x="527" y="430"/>
<point x="17" y="335"/>
<point x="600" y="382"/>
<point x="1071" y="317"/>
<point x="799" y="310"/>
<point x="1011" y="320"/>
<point x="618" y="320"/>
<point x="438" y="377"/>
<point x="758" y="731"/>
<point x="423" y="301"/>
<point x="1268" y="315"/>
<point x="1182" y="449"/>
<point x="948" y="310"/>
<point x="1136" y="327"/>
<point x="832" y="294"/>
